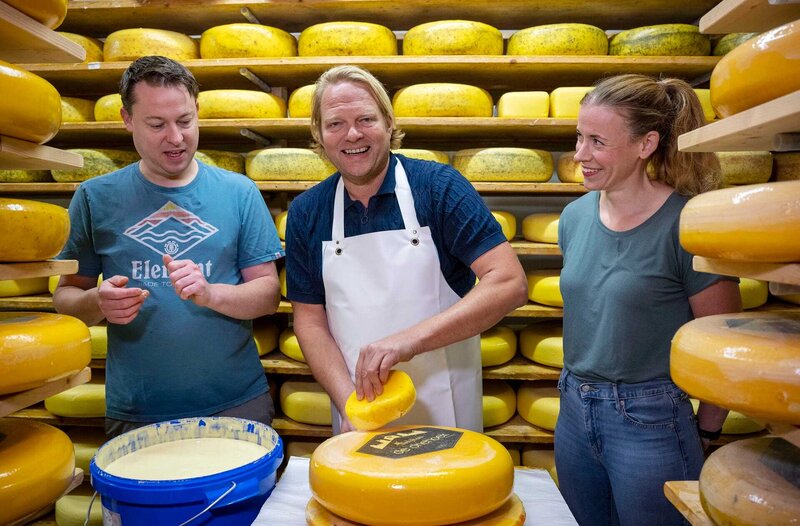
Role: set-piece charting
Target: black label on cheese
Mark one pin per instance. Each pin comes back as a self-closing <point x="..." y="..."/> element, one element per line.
<point x="411" y="442"/>
<point x="765" y="325"/>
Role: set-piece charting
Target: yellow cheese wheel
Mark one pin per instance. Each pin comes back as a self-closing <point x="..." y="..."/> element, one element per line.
<point x="81" y="401"/>
<point x="565" y="102"/>
<point x="288" y="345"/>
<point x="543" y="343"/>
<point x="50" y="13"/>
<point x="52" y="282"/>
<point x="504" y="164"/>
<point x="99" y="341"/>
<point x="396" y="400"/>
<point x="735" y="423"/>
<point x="745" y="167"/>
<point x="498" y="345"/>
<point x="747" y="362"/>
<point x="239" y="104"/>
<point x="786" y="166"/>
<point x="25" y="176"/>
<point x="22" y="287"/>
<point x="36" y="467"/>
<point x="92" y="46"/>
<point x="71" y="509"/>
<point x="729" y="42"/>
<point x="306" y="402"/>
<point x="559" y="39"/>
<point x="541" y="227"/>
<point x="130" y="44"/>
<point x="499" y="403"/>
<point x="752" y="482"/>
<point x="752" y="223"/>
<point x="704" y="96"/>
<point x="95" y="162"/>
<point x="246" y="40"/>
<point x="265" y="333"/>
<point x="453" y="37"/>
<point x="424" y="155"/>
<point x="86" y="441"/>
<point x="568" y="170"/>
<point x="411" y="475"/>
<point x="507" y="222"/>
<point x="300" y="448"/>
<point x="524" y="105"/>
<point x="280" y="223"/>
<point x="761" y="69"/>
<point x="282" y="281"/>
<point x="77" y="110"/>
<point x="347" y="39"/>
<point x="442" y="99"/>
<point x="231" y="161"/>
<point x="30" y="107"/>
<point x="287" y="164"/>
<point x="661" y="40"/>
<point x="300" y="102"/>
<point x="32" y="230"/>
<point x="107" y="108"/>
<point x="538" y="405"/>
<point x="754" y="292"/>
<point x="543" y="287"/>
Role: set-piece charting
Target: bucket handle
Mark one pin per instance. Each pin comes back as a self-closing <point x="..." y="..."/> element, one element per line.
<point x="89" y="511"/>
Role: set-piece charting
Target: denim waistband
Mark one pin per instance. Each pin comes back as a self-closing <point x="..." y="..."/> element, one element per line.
<point x="615" y="391"/>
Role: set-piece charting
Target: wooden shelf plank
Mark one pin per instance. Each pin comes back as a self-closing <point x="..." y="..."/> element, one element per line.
<point x="38" y="269"/>
<point x="13" y="402"/>
<point x="782" y="272"/>
<point x="748" y="16"/>
<point x="529" y="248"/>
<point x="18" y="154"/>
<point x="42" y="302"/>
<point x="23" y="39"/>
<point x="685" y="496"/>
<point x="278" y="363"/>
<point x="774" y="125"/>
<point x="38" y="413"/>
<point x="520" y="368"/>
<point x="38" y="188"/>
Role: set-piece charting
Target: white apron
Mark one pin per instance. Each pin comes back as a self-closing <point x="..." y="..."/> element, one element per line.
<point x="380" y="283"/>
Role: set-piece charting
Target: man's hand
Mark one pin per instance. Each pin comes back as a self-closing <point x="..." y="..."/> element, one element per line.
<point x="188" y="280"/>
<point x="376" y="360"/>
<point x="118" y="303"/>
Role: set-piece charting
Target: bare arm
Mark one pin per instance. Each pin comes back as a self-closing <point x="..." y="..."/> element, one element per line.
<point x="80" y="296"/>
<point x="502" y="287"/>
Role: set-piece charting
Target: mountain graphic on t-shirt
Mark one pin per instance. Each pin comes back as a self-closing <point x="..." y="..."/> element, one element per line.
<point x="171" y="230"/>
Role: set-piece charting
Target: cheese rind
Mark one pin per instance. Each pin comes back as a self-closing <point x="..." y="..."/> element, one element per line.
<point x="541" y="227"/>
<point x="77" y="110"/>
<point x="442" y="99"/>
<point x="539" y="405"/>
<point x="524" y="105"/>
<point x="81" y="401"/>
<point x="306" y="402"/>
<point x="129" y="44"/>
<point x="543" y="287"/>
<point x="346" y="39"/>
<point x="95" y="162"/>
<point x="559" y="39"/>
<point x="396" y="400"/>
<point x="453" y="37"/>
<point x="10" y="288"/>
<point x="231" y="161"/>
<point x="754" y="292"/>
<point x="265" y="334"/>
<point x="424" y="155"/>
<point x="107" y="108"/>
<point x="508" y="223"/>
<point x="729" y="42"/>
<point x="498" y="345"/>
<point x="504" y="164"/>
<point x="661" y="40"/>
<point x="242" y="40"/>
<point x="565" y="102"/>
<point x="30" y="107"/>
<point x="745" y="167"/>
<point x="300" y="102"/>
<point x="499" y="403"/>
<point x="568" y="170"/>
<point x="543" y="343"/>
<point x="32" y="230"/>
<point x="288" y="345"/>
<point x="92" y="46"/>
<point x="287" y="164"/>
<point x="239" y="104"/>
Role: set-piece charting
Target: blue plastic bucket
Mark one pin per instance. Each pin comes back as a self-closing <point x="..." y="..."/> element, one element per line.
<point x="232" y="497"/>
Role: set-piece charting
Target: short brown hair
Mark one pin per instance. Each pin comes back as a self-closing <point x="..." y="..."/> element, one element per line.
<point x="156" y="71"/>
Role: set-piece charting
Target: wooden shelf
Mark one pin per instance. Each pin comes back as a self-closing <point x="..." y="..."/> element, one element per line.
<point x="100" y="17"/>
<point x="18" y="154"/>
<point x="774" y="125"/>
<point x="40" y="414"/>
<point x="782" y="272"/>
<point x="529" y="248"/>
<point x="14" y="402"/>
<point x="748" y="16"/>
<point x="23" y="39"/>
<point x="41" y="302"/>
<point x="685" y="496"/>
<point x="38" y="269"/>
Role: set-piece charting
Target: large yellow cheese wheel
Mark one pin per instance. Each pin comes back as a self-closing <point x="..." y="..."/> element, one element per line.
<point x="543" y="287"/>
<point x="130" y="44"/>
<point x="424" y="155"/>
<point x="541" y="227"/>
<point x="735" y="423"/>
<point x="559" y="39"/>
<point x="442" y="99"/>
<point x="761" y="69"/>
<point x="661" y="40"/>
<point x="396" y="399"/>
<point x="565" y="102"/>
<point x="754" y="292"/>
<point x="729" y="42"/>
<point x="524" y="105"/>
<point x="704" y="96"/>
<point x="786" y="166"/>
<point x="50" y="13"/>
<point x="32" y="230"/>
<point x="22" y="287"/>
<point x="504" y="164"/>
<point x="306" y="402"/>
<point x="508" y="222"/>
<point x="25" y="176"/>
<point x="411" y="475"/>
<point x="538" y="405"/>
<point x="287" y="164"/>
<point x="107" y="108"/>
<point x="280" y="223"/>
<point x="753" y="223"/>
<point x="747" y="362"/>
<point x="346" y="38"/>
<point x="265" y="333"/>
<point x="300" y="101"/>
<point x="752" y="482"/>
<point x="86" y="441"/>
<point x="30" y="107"/>
<point x="453" y="37"/>
<point x="543" y="342"/>
<point x="77" y="110"/>
<point x="81" y="401"/>
<point x="231" y="161"/>
<point x="498" y="345"/>
<point x="745" y="167"/>
<point x="239" y="104"/>
<point x="246" y="40"/>
<point x="36" y="467"/>
<point x="499" y="403"/>
<point x="92" y="46"/>
<point x="95" y="162"/>
<point x="288" y="345"/>
<point x="568" y="170"/>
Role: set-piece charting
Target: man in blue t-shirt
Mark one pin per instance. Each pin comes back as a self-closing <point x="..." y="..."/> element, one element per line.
<point x="188" y="254"/>
<point x="381" y="261"/>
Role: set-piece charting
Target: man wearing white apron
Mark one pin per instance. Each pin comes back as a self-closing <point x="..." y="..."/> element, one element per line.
<point x="378" y="297"/>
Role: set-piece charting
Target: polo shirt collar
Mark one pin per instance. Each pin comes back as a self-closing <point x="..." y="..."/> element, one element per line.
<point x="387" y="187"/>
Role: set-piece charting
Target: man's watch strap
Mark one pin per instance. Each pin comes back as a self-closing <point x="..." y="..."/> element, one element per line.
<point x="708" y="435"/>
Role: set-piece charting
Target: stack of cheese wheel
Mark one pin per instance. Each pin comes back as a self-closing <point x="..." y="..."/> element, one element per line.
<point x="82" y="401"/>
<point x="565" y="102"/>
<point x="508" y="223"/>
<point x="524" y="105"/>
<point x="95" y="162"/>
<point x="74" y="109"/>
<point x="305" y="402"/>
<point x="543" y="287"/>
<point x="735" y="423"/>
<point x="412" y="475"/>
<point x="300" y="101"/>
<point x="10" y="288"/>
<point x="245" y="41"/>
<point x="396" y="399"/>
<point x="504" y="164"/>
<point x="568" y="170"/>
<point x="498" y="345"/>
<point x="239" y="104"/>
<point x="499" y="402"/>
<point x="107" y="108"/>
<point x="541" y="227"/>
<point x="346" y="39"/>
<point x="231" y="161"/>
<point x="539" y="403"/>
<point x="30" y="107"/>
<point x="424" y="155"/>
<point x="287" y="164"/>
<point x="559" y="39"/>
<point x="661" y="40"/>
<point x="92" y="46"/>
<point x="453" y="37"/>
<point x="265" y="333"/>
<point x="288" y="345"/>
<point x="440" y="99"/>
<point x="129" y="44"/>
<point x="543" y="342"/>
<point x="745" y="167"/>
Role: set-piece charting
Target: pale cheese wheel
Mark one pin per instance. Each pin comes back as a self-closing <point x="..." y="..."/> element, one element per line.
<point x="82" y="401"/>
<point x="453" y="37"/>
<point x="735" y="423"/>
<point x="71" y="510"/>
<point x="98" y="335"/>
<point x="751" y="223"/>
<point x="543" y="343"/>
<point x="129" y="44"/>
<point x="508" y="223"/>
<point x="424" y="155"/>
<point x="660" y="40"/>
<point x="541" y="227"/>
<point x="704" y="96"/>
<point x="499" y="403"/>
<point x="396" y="399"/>
<point x="86" y="441"/>
<point x="239" y="104"/>
<point x="559" y="39"/>
<point x="754" y="292"/>
<point x="752" y="482"/>
<point x="287" y="164"/>
<point x="538" y="405"/>
<point x="10" y="288"/>
<point x="346" y="39"/>
<point x="107" y="108"/>
<point x="32" y="230"/>
<point x="50" y="13"/>
<point x="280" y="223"/>
<point x="524" y="105"/>
<point x="442" y="99"/>
<point x="301" y="101"/>
<point x="25" y="176"/>
<point x="565" y="102"/>
<point x="36" y="467"/>
<point x="504" y="164"/>
<point x="246" y="41"/>
<point x="745" y="167"/>
<point x="747" y="362"/>
<point x="568" y="169"/>
<point x="289" y="346"/>
<point x="92" y="46"/>
<point x="447" y="475"/>
<point x="498" y="345"/>
<point x="305" y="402"/>
<point x="543" y="287"/>
<point x="95" y="162"/>
<point x="786" y="166"/>
<point x="30" y="107"/>
<point x="231" y="161"/>
<point x="74" y="109"/>
<point x="265" y="334"/>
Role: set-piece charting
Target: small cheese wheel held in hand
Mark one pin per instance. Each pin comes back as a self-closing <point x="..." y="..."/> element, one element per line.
<point x="107" y="108"/>
<point x="539" y="405"/>
<point x="504" y="164"/>
<point x="745" y="167"/>
<point x="442" y="99"/>
<point x="287" y="164"/>
<point x="453" y="37"/>
<point x="507" y="222"/>
<point x="396" y="400"/>
<point x="305" y="402"/>
<point x="289" y="346"/>
<point x="10" y="288"/>
<point x="543" y="342"/>
<point x="565" y="102"/>
<point x="524" y="105"/>
<point x="82" y="401"/>
<point x="32" y="230"/>
<point x="543" y="287"/>
<point x="246" y="40"/>
<point x="498" y="345"/>
<point x="300" y="102"/>
<point x="568" y="169"/>
<point x="346" y="39"/>
<point x="77" y="110"/>
<point x="661" y="40"/>
<point x="50" y="13"/>
<point x="499" y="403"/>
<point x="541" y="228"/>
<point x="92" y="46"/>
<point x="559" y="39"/>
<point x="30" y="107"/>
<point x="239" y="104"/>
<point x="130" y="44"/>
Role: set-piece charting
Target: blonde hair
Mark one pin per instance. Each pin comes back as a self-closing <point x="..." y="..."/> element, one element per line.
<point x="670" y="107"/>
<point x="356" y="75"/>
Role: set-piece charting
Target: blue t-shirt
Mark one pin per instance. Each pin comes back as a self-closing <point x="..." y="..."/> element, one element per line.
<point x="175" y="359"/>
<point x="462" y="226"/>
<point x="625" y="293"/>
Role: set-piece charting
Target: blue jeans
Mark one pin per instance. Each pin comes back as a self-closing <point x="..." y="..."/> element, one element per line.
<point x="616" y="445"/>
